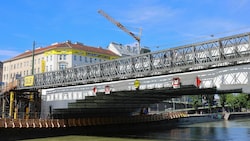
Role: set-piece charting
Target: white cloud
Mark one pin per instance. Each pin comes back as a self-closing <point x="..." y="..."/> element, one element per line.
<point x="149" y="13"/>
<point x="21" y="36"/>
<point x="238" y="5"/>
<point x="217" y="27"/>
<point x="7" y="54"/>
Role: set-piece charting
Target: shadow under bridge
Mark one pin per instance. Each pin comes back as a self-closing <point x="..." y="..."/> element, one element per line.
<point x="125" y="103"/>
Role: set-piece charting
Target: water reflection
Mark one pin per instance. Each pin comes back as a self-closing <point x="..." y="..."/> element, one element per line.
<point x="235" y="130"/>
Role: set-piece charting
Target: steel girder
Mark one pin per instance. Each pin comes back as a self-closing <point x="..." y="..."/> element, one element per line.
<point x="214" y="53"/>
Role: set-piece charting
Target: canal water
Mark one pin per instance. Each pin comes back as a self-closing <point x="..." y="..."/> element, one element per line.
<point x="232" y="130"/>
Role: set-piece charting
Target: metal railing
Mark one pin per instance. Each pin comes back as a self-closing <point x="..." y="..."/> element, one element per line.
<point x="225" y="51"/>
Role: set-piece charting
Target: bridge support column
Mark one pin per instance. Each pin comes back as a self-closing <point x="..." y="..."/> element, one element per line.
<point x="16" y="112"/>
<point x="12" y="94"/>
<point x="29" y="108"/>
<point x="3" y="107"/>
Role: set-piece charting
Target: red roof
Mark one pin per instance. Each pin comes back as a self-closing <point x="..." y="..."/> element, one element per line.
<point x="78" y="46"/>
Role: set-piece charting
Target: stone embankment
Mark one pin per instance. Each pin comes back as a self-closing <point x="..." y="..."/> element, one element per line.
<point x="236" y="115"/>
<point x="200" y="118"/>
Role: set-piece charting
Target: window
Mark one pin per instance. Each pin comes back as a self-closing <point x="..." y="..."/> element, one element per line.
<point x="60" y="57"/>
<point x="64" y="57"/>
<point x="62" y="66"/>
<point x="80" y="58"/>
<point x="86" y="59"/>
<point x="75" y="57"/>
<point x="90" y="60"/>
<point x="50" y="57"/>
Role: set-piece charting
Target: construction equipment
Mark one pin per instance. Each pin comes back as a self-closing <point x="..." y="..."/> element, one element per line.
<point x="118" y="24"/>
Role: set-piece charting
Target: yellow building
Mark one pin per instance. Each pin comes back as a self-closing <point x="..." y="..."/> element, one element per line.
<point x="57" y="56"/>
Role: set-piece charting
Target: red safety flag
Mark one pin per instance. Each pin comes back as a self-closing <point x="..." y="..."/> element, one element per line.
<point x="94" y="90"/>
<point x="198" y="82"/>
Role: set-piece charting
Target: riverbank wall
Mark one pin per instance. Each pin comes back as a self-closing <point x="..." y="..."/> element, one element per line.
<point x="236" y="115"/>
<point x="200" y="118"/>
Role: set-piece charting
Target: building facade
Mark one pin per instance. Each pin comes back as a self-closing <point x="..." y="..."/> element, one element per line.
<point x="127" y="50"/>
<point x="57" y="56"/>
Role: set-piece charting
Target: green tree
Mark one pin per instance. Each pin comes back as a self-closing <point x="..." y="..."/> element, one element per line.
<point x="237" y="101"/>
<point x="242" y="99"/>
<point x="210" y="99"/>
<point x="196" y="102"/>
<point x="223" y="101"/>
<point x="231" y="101"/>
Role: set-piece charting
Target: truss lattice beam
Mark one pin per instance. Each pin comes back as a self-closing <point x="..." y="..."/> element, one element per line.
<point x="204" y="55"/>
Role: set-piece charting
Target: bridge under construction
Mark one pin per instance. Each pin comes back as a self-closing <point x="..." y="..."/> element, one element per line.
<point x="108" y="89"/>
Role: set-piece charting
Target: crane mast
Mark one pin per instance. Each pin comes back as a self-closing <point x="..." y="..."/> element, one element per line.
<point x="118" y="24"/>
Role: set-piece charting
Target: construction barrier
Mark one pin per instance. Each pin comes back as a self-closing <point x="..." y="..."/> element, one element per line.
<point x="31" y="123"/>
<point x="81" y="122"/>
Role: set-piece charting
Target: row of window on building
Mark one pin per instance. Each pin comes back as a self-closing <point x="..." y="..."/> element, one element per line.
<point x="64" y="57"/>
<point x="50" y="58"/>
<point x="22" y="64"/>
<point x="37" y="68"/>
<point x="14" y="76"/>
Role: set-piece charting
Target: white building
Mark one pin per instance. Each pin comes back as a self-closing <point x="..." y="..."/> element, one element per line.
<point x="127" y="50"/>
<point x="57" y="56"/>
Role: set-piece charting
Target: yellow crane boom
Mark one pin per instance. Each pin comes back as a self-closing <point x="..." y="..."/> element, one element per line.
<point x="118" y="24"/>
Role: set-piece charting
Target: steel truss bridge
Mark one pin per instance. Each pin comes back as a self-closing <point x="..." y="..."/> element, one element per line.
<point x="222" y="52"/>
<point x="222" y="65"/>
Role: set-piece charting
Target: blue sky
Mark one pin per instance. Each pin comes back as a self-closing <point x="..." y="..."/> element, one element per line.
<point x="164" y="23"/>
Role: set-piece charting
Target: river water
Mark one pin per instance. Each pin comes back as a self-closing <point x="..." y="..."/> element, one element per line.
<point x="232" y="130"/>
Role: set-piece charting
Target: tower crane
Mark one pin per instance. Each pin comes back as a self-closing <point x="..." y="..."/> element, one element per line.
<point x="118" y="24"/>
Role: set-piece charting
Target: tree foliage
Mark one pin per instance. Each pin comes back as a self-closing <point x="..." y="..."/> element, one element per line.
<point x="238" y="101"/>
<point x="196" y="101"/>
